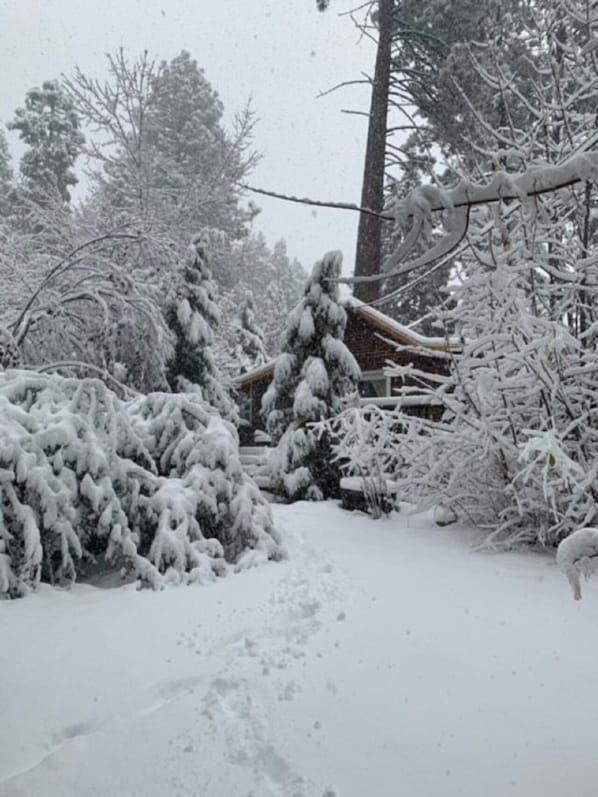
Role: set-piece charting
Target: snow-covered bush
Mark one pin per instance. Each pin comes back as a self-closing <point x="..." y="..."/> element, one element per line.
<point x="516" y="451"/>
<point x="363" y="440"/>
<point x="363" y="444"/>
<point x="68" y="305"/>
<point x="314" y="378"/>
<point x="154" y="484"/>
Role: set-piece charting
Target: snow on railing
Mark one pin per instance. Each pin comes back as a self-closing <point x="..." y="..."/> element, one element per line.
<point x="414" y="400"/>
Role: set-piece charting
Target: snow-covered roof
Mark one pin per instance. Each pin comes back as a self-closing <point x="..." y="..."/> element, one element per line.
<point x="405" y="335"/>
<point x="398" y="332"/>
<point x="256" y="373"/>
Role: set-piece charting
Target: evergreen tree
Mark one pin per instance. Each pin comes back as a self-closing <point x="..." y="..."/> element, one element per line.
<point x="432" y="71"/>
<point x="172" y="166"/>
<point x="49" y="125"/>
<point x="193" y="317"/>
<point x="5" y="176"/>
<point x="198" y="164"/>
<point x="250" y="264"/>
<point x="250" y="348"/>
<point x="314" y="378"/>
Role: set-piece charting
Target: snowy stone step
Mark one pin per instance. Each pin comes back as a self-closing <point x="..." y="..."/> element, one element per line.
<point x="253" y="450"/>
<point x="253" y="460"/>
<point x="262" y="480"/>
<point x="250" y="455"/>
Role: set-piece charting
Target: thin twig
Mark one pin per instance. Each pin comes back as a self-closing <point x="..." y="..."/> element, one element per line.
<point x="342" y="86"/>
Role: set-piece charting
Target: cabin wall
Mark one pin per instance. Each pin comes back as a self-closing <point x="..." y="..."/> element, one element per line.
<point x="372" y="353"/>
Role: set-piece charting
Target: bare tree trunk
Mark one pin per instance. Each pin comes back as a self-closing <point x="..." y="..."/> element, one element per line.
<point x="369" y="237"/>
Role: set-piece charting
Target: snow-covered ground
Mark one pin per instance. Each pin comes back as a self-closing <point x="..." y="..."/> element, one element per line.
<point x="383" y="658"/>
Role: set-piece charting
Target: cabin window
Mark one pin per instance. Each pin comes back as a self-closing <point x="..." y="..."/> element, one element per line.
<point x="374" y="384"/>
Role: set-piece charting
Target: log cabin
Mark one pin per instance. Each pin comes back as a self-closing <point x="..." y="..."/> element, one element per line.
<point x="377" y="342"/>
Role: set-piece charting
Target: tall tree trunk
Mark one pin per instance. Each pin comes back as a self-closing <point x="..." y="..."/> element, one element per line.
<point x="369" y="237"/>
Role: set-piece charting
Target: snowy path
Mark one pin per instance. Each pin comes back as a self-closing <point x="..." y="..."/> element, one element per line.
<point x="384" y="658"/>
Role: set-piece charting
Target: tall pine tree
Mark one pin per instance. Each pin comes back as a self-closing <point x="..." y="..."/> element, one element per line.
<point x="49" y="125"/>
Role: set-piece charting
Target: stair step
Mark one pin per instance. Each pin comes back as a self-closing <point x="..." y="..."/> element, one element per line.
<point x="252" y="459"/>
<point x="262" y="480"/>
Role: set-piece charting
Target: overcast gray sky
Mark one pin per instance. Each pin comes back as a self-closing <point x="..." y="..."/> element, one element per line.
<point x="279" y="54"/>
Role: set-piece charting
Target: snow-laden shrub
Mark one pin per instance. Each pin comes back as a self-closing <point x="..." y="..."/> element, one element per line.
<point x="362" y="445"/>
<point x="516" y="450"/>
<point x="154" y="484"/>
<point x="363" y="441"/>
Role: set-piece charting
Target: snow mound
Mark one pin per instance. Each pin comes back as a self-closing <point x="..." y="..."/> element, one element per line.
<point x="577" y="556"/>
<point x="154" y="484"/>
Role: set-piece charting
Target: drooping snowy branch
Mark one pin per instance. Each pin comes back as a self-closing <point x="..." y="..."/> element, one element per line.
<point x="577" y="556"/>
<point x="426" y="200"/>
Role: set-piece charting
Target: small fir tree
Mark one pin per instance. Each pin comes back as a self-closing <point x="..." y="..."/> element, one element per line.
<point x="314" y="379"/>
<point x="193" y="317"/>
<point x="250" y="349"/>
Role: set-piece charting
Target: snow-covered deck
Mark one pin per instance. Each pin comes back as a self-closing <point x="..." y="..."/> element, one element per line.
<point x="396" y="402"/>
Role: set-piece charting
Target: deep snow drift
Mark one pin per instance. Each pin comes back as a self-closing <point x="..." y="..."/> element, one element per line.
<point x="383" y="658"/>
